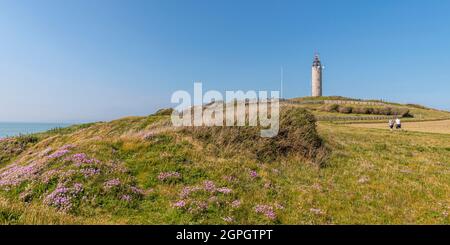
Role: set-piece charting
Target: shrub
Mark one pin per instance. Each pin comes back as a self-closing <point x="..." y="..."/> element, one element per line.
<point x="297" y="136"/>
<point x="384" y="111"/>
<point x="360" y="110"/>
<point x="330" y="108"/>
<point x="376" y="111"/>
<point x="404" y="112"/>
<point x="345" y="109"/>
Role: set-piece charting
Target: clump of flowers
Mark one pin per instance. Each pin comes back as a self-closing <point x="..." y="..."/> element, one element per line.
<point x="15" y="174"/>
<point x="209" y="186"/>
<point x="279" y="206"/>
<point x="266" y="210"/>
<point x="47" y="176"/>
<point x="253" y="174"/>
<point x="228" y="219"/>
<point x="89" y="172"/>
<point x="81" y="158"/>
<point x="236" y="203"/>
<point x="224" y="190"/>
<point x="188" y="190"/>
<point x="61" y="198"/>
<point x="77" y="187"/>
<point x="163" y="176"/>
<point x="126" y="198"/>
<point x="58" y="154"/>
<point x="111" y="183"/>
<point x="137" y="190"/>
<point x="198" y="206"/>
<point x="179" y="204"/>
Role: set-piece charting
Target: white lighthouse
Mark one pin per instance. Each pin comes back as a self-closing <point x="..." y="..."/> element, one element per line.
<point x="316" y="77"/>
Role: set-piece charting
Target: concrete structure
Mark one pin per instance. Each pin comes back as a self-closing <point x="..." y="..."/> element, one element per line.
<point x="316" y="81"/>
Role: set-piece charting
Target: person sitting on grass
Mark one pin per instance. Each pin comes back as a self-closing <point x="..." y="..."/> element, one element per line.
<point x="398" y="123"/>
<point x="391" y="124"/>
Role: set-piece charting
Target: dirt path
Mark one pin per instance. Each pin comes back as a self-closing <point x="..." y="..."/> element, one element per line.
<point x="442" y="126"/>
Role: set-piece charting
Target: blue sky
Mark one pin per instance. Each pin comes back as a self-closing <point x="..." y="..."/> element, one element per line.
<point x="76" y="61"/>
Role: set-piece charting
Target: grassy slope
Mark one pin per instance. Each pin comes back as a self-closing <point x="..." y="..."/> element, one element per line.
<point x="373" y="176"/>
<point x="419" y="113"/>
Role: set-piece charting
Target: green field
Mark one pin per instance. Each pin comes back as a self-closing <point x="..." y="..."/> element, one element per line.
<point x="140" y="170"/>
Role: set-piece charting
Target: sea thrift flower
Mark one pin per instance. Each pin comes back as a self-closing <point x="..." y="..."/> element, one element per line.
<point x="60" y="198"/>
<point x="236" y="204"/>
<point x="198" y="207"/>
<point x="58" y="154"/>
<point x="279" y="206"/>
<point x="137" y="190"/>
<point x="224" y="190"/>
<point x="188" y="190"/>
<point x="253" y="174"/>
<point x="89" y="172"/>
<point x="228" y="219"/>
<point x="78" y="187"/>
<point x="126" y="198"/>
<point x="209" y="186"/>
<point x="111" y="183"/>
<point x="168" y="175"/>
<point x="266" y="210"/>
<point x="81" y="158"/>
<point x="180" y="204"/>
<point x="14" y="174"/>
<point x="47" y="176"/>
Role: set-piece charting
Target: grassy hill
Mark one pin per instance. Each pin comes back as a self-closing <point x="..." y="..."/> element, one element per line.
<point x="141" y="170"/>
<point x="317" y="105"/>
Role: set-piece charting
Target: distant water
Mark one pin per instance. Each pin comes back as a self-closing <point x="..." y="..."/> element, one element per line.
<point x="13" y="129"/>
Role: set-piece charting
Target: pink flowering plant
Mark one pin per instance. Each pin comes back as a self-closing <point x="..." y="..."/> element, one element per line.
<point x="64" y="179"/>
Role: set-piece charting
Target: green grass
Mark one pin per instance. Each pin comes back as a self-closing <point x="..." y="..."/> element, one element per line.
<point x="371" y="176"/>
<point x="419" y="113"/>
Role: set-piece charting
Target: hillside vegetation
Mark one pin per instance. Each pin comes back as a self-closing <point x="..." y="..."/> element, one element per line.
<point x="140" y="170"/>
<point x="356" y="110"/>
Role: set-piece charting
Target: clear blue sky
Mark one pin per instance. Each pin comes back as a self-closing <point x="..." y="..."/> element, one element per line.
<point x="72" y="61"/>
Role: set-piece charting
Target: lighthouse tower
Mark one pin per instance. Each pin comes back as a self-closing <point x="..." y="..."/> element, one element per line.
<point x="316" y="81"/>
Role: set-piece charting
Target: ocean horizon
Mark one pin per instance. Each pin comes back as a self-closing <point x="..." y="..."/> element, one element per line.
<point x="10" y="129"/>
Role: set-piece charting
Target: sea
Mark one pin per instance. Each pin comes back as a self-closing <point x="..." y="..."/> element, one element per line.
<point x="8" y="129"/>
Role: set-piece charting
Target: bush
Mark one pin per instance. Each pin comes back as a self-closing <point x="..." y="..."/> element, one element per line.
<point x="384" y="111"/>
<point x="360" y="110"/>
<point x="330" y="108"/>
<point x="404" y="112"/>
<point x="297" y="136"/>
<point x="345" y="109"/>
<point x="376" y="111"/>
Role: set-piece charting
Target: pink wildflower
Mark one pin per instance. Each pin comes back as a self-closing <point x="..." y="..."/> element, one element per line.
<point x="111" y="183"/>
<point x="266" y="210"/>
<point x="168" y="175"/>
<point x="180" y="204"/>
